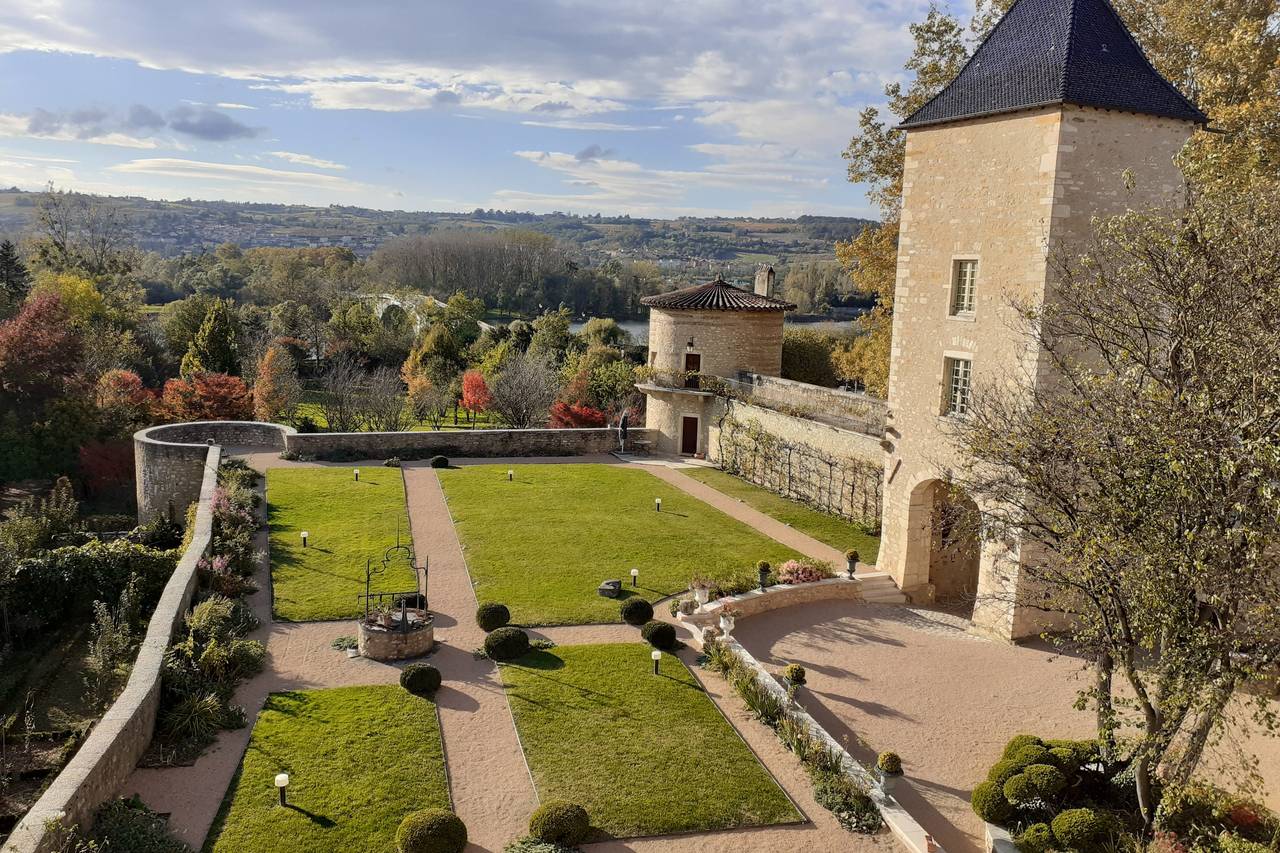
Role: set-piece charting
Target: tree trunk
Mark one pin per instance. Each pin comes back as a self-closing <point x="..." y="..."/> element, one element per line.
<point x="1142" y="782"/>
<point x="1199" y="735"/>
<point x="1106" y="713"/>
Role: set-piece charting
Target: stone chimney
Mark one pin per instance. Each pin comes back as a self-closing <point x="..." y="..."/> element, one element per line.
<point x="764" y="280"/>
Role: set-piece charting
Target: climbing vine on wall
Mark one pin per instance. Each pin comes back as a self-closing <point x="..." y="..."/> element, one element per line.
<point x="847" y="487"/>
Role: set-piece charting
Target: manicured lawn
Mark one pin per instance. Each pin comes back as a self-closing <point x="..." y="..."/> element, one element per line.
<point x="359" y="759"/>
<point x="542" y="543"/>
<point x="644" y="754"/>
<point x="348" y="523"/>
<point x="828" y="529"/>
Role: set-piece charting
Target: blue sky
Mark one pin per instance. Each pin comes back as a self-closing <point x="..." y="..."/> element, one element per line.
<point x="700" y="107"/>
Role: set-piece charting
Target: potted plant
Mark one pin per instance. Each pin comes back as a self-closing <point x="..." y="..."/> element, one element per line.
<point x="851" y="562"/>
<point x="795" y="675"/>
<point x="727" y="617"/>
<point x="382" y="615"/>
<point x="890" y="767"/>
<point x="701" y="590"/>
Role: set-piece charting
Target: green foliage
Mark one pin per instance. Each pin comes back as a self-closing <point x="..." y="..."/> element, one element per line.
<point x="806" y="357"/>
<point x="420" y="679"/>
<point x="838" y="793"/>
<point x="660" y="635"/>
<point x="1229" y="843"/>
<point x="1201" y="813"/>
<point x="990" y="804"/>
<point x="1084" y="830"/>
<point x="431" y="831"/>
<point x="1031" y="754"/>
<point x="439" y="462"/>
<point x="1037" y="838"/>
<point x="636" y="611"/>
<point x="1003" y="771"/>
<point x="1017" y="743"/>
<point x="490" y="616"/>
<point x="214" y="349"/>
<point x="535" y="845"/>
<point x="128" y="826"/>
<point x="1038" y="783"/>
<point x="504" y="644"/>
<point x="889" y="762"/>
<point x="560" y="821"/>
<point x="794" y="673"/>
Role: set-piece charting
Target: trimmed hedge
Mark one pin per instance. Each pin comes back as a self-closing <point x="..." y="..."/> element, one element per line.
<point x="431" y="831"/>
<point x="439" y="462"/>
<point x="660" y="635"/>
<point x="560" y="822"/>
<point x="989" y="803"/>
<point x="636" y="611"/>
<point x="505" y="644"/>
<point x="420" y="679"/>
<point x="491" y="616"/>
<point x="1037" y="783"/>
<point x="1037" y="838"/>
<point x="1084" y="830"/>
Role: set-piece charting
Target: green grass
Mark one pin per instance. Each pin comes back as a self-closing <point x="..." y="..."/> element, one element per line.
<point x="359" y="759"/>
<point x="828" y="529"/>
<point x="644" y="754"/>
<point x="348" y="523"/>
<point x="542" y="543"/>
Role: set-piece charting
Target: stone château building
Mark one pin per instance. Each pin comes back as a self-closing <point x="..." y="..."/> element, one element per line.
<point x="1058" y="117"/>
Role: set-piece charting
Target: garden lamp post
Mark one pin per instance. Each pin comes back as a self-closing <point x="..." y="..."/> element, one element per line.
<point x="305" y="534"/>
<point x="356" y="472"/>
<point x="635" y="575"/>
<point x="282" y="783"/>
<point x="657" y="658"/>
<point x="657" y="504"/>
<point x="511" y="474"/>
<point x="763" y="569"/>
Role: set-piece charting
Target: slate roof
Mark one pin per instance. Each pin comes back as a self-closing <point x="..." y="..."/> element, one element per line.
<point x="1045" y="52"/>
<point x="718" y="295"/>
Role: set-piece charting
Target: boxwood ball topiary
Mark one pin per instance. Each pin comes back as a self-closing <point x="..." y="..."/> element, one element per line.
<point x="431" y="831"/>
<point x="1037" y="838"/>
<point x="560" y="822"/>
<point x="1039" y="782"/>
<point x="636" y="611"/>
<point x="439" y="462"/>
<point x="491" y="617"/>
<point x="989" y="803"/>
<point x="660" y="635"/>
<point x="1017" y="742"/>
<point x="1003" y="771"/>
<point x="1084" y="830"/>
<point x="506" y="644"/>
<point x="420" y="679"/>
<point x="1029" y="755"/>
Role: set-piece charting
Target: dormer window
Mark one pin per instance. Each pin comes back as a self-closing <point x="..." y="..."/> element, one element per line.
<point x="964" y="283"/>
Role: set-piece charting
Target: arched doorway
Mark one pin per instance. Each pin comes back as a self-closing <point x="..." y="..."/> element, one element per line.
<point x="944" y="550"/>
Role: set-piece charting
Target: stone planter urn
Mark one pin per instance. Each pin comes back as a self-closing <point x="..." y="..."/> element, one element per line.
<point x="701" y="594"/>
<point x="889" y="769"/>
<point x="726" y="623"/>
<point x="889" y="781"/>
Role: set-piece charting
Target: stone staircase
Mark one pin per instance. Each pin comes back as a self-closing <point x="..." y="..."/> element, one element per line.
<point x="879" y="588"/>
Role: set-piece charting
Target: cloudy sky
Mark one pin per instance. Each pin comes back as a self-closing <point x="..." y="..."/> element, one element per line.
<point x="648" y="107"/>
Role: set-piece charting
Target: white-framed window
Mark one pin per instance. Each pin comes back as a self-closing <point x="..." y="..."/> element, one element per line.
<point x="959" y="384"/>
<point x="964" y="284"/>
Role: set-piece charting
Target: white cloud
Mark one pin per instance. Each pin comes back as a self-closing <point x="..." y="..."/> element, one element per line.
<point x="574" y="124"/>
<point x="233" y="106"/>
<point x="306" y="160"/>
<point x="198" y="170"/>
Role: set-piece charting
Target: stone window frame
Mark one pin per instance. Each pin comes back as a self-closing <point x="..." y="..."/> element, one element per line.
<point x="954" y="311"/>
<point x="950" y="360"/>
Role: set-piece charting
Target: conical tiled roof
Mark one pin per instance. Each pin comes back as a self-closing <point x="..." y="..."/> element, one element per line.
<point x="718" y="295"/>
<point x="1045" y="52"/>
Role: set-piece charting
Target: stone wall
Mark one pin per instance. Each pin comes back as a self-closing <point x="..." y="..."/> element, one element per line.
<point x="169" y="460"/>
<point x="859" y="412"/>
<point x="464" y="443"/>
<point x="109" y="754"/>
<point x="833" y="469"/>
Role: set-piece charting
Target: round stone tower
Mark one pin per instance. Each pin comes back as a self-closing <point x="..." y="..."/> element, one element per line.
<point x="713" y="329"/>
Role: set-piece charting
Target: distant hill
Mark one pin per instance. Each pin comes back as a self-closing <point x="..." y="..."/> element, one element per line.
<point x="177" y="227"/>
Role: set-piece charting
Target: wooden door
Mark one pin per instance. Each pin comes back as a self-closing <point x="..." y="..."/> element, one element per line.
<point x="688" y="436"/>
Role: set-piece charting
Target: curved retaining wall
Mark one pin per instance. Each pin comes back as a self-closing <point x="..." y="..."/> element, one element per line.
<point x="109" y="754"/>
<point x="168" y="460"/>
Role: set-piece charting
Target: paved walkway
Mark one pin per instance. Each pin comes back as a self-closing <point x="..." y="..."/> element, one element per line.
<point x="489" y="781"/>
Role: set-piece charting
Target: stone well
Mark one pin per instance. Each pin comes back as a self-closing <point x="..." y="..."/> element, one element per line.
<point x="393" y="641"/>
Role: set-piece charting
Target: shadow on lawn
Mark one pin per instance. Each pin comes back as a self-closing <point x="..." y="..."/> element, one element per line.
<point x="318" y="819"/>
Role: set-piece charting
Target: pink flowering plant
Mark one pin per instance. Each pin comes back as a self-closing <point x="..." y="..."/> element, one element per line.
<point x="798" y="571"/>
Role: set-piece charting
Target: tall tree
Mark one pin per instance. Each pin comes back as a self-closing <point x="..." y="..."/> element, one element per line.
<point x="15" y="278"/>
<point x="1143" y="480"/>
<point x="276" y="391"/>
<point x="215" y="348"/>
<point x="524" y="391"/>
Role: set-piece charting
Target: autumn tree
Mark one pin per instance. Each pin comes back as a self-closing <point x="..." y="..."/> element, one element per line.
<point x="476" y="397"/>
<point x="207" y="397"/>
<point x="40" y="355"/>
<point x="276" y="390"/>
<point x="1143" y="475"/>
<point x="430" y="401"/>
<point x="216" y="347"/>
<point x="125" y="403"/>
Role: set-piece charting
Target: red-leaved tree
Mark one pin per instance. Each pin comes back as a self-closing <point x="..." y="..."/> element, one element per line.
<point x="125" y="404"/>
<point x="575" y="416"/>
<point x="476" y="396"/>
<point x="40" y="354"/>
<point x="207" y="397"/>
